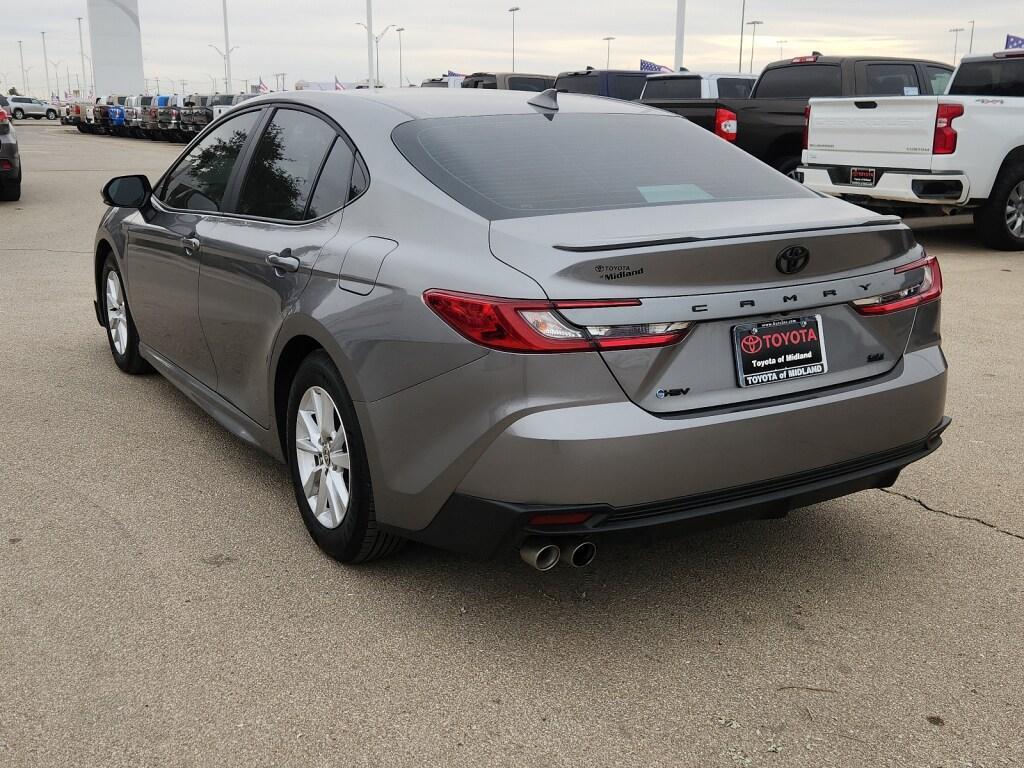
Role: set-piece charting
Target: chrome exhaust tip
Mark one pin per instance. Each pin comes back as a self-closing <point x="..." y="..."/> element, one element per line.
<point x="578" y="553"/>
<point x="540" y="554"/>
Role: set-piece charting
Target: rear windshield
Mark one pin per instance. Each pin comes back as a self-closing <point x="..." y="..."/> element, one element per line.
<point x="735" y="87"/>
<point x="626" y="87"/>
<point x="672" y="88"/>
<point x="590" y="84"/>
<point x="220" y="101"/>
<point x="989" y="78"/>
<point x="511" y="166"/>
<point x="538" y="84"/>
<point x="800" y="81"/>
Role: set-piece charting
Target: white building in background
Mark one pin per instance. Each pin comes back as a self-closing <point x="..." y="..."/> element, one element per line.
<point x="115" y="37"/>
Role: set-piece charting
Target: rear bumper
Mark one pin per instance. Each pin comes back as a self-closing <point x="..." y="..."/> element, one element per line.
<point x="482" y="527"/>
<point x="903" y="186"/>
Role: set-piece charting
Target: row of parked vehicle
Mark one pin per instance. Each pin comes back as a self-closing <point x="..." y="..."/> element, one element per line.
<point x="174" y="117"/>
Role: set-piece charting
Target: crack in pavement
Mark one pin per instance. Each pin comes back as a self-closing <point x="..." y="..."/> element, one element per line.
<point x="954" y="515"/>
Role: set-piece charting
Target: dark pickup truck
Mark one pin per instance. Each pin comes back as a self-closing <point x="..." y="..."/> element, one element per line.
<point x="770" y="124"/>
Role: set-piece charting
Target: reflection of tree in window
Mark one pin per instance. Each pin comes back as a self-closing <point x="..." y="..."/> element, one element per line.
<point x="204" y="181"/>
<point x="269" y="190"/>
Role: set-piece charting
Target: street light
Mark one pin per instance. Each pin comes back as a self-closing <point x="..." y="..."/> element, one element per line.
<point x="56" y="72"/>
<point x="376" y="47"/>
<point x="743" y="16"/>
<point x="227" y="65"/>
<point x="970" y="48"/>
<point x="753" y="37"/>
<point x="780" y="44"/>
<point x="46" y="66"/>
<point x="24" y="80"/>
<point x="81" y="54"/>
<point x="513" y="10"/>
<point x="229" y="49"/>
<point x="401" y="82"/>
<point x="956" y="38"/>
<point x="608" y="56"/>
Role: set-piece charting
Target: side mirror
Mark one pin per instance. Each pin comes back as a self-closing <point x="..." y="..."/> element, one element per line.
<point x="127" y="192"/>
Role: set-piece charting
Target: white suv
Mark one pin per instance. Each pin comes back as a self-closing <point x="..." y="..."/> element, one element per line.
<point x="24" y="106"/>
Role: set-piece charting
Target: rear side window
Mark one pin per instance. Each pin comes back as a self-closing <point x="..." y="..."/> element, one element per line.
<point x="589" y="84"/>
<point x="626" y="87"/>
<point x="672" y="88"/>
<point x="989" y="78"/>
<point x="509" y="166"/>
<point x="285" y="165"/>
<point x="892" y="80"/>
<point x="199" y="181"/>
<point x="334" y="185"/>
<point x="535" y="84"/>
<point x="734" y="87"/>
<point x="800" y="81"/>
<point x="939" y="78"/>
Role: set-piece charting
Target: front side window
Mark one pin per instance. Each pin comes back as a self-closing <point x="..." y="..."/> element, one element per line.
<point x="734" y="87"/>
<point x="800" y="81"/>
<point x="509" y="166"/>
<point x="892" y="80"/>
<point x="285" y="165"/>
<point x="199" y="181"/>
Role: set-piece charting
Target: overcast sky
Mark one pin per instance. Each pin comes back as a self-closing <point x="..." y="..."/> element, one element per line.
<point x="318" y="39"/>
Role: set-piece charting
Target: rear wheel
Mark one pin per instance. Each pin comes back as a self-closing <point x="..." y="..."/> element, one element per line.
<point x="1000" y="222"/>
<point x="19" y="114"/>
<point x="51" y="114"/>
<point x="788" y="166"/>
<point x="121" y="333"/>
<point x="330" y="473"/>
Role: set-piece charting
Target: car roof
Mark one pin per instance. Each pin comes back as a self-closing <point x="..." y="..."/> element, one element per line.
<point x="1010" y="53"/>
<point x="701" y="75"/>
<point x="415" y="103"/>
<point x="602" y="71"/>
<point x="841" y="59"/>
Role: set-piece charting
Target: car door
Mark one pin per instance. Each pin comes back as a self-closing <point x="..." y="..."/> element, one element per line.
<point x="165" y="245"/>
<point x="256" y="263"/>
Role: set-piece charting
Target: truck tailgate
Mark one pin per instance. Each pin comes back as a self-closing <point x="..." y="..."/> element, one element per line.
<point x="887" y="132"/>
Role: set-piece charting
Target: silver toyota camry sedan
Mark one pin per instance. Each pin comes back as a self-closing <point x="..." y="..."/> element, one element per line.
<point x="489" y="320"/>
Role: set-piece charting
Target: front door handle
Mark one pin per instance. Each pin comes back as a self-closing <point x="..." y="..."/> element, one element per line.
<point x="283" y="261"/>
<point x="190" y="244"/>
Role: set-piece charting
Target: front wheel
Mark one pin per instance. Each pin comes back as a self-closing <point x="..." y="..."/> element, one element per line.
<point x="1000" y="221"/>
<point x="329" y="469"/>
<point x="121" y="332"/>
<point x="19" y="114"/>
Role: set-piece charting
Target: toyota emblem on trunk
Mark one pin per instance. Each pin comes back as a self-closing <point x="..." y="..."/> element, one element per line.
<point x="792" y="259"/>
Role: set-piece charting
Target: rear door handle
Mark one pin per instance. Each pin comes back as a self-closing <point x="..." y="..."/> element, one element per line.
<point x="190" y="244"/>
<point x="283" y="261"/>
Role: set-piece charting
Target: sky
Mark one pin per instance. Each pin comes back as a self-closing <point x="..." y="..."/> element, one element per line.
<point x="320" y="39"/>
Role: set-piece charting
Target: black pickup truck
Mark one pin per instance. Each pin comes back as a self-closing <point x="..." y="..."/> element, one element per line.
<point x="770" y="124"/>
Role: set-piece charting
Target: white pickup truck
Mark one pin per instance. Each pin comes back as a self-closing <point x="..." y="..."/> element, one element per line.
<point x="963" y="151"/>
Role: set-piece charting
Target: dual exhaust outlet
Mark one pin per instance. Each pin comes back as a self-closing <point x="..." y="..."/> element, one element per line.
<point x="544" y="554"/>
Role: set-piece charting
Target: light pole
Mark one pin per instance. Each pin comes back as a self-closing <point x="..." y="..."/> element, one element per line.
<point x="46" y="66"/>
<point x="81" y="55"/>
<point x="92" y="89"/>
<point x="368" y="26"/>
<point x="780" y="44"/>
<point x="56" y="73"/>
<point x="680" y="29"/>
<point x="513" y="10"/>
<point x="956" y="39"/>
<point x="753" y="37"/>
<point x="227" y="65"/>
<point x="743" y="16"/>
<point x="970" y="48"/>
<point x="24" y="80"/>
<point x="376" y="46"/>
<point x="228" y="49"/>
<point x="401" y="82"/>
<point x="213" y="82"/>
<point x="608" y="53"/>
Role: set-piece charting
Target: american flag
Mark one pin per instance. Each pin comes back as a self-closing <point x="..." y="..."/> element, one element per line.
<point x="264" y="88"/>
<point x="1012" y="41"/>
<point x="337" y="84"/>
<point x="650" y="66"/>
<point x="452" y="73"/>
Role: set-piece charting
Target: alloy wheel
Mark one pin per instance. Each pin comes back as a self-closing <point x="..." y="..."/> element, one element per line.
<point x="322" y="457"/>
<point x="1015" y="211"/>
<point x="117" y="319"/>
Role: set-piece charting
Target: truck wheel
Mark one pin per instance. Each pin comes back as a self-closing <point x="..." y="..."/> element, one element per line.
<point x="1000" y="222"/>
<point x="788" y="166"/>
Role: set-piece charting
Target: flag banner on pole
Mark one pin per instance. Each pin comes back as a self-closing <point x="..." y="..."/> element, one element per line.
<point x="650" y="66"/>
<point x="452" y="73"/>
<point x="1012" y="41"/>
<point x="264" y="88"/>
<point x="337" y="84"/>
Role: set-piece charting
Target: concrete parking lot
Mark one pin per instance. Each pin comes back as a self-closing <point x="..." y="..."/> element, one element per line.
<point x="162" y="604"/>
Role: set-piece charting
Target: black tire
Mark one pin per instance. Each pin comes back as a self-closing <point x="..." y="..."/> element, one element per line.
<point x="81" y="128"/>
<point x="18" y="114"/>
<point x="51" y="114"/>
<point x="990" y="220"/>
<point x="788" y="165"/>
<point x="10" y="191"/>
<point x="357" y="539"/>
<point x="129" y="361"/>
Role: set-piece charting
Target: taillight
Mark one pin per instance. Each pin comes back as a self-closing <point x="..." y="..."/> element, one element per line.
<point x="78" y="110"/>
<point x="726" y="124"/>
<point x="3" y="116"/>
<point x="517" y="325"/>
<point x="945" y="135"/>
<point x="928" y="289"/>
<point x="804" y="60"/>
<point x="807" y="123"/>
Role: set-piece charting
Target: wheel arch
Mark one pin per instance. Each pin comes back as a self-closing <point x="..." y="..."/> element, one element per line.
<point x="1015" y="155"/>
<point x="103" y="249"/>
<point x="787" y="145"/>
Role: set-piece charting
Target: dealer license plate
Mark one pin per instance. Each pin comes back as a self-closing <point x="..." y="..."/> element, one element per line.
<point x="779" y="350"/>
<point x="863" y="177"/>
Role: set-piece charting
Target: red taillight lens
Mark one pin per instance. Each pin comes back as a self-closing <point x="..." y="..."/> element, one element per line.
<point x="807" y="123"/>
<point x="3" y="116"/>
<point x="945" y="135"/>
<point x="78" y="110"/>
<point x="5" y="164"/>
<point x="804" y="60"/>
<point x="928" y="289"/>
<point x="515" y="325"/>
<point x="726" y="124"/>
<point x="560" y="518"/>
